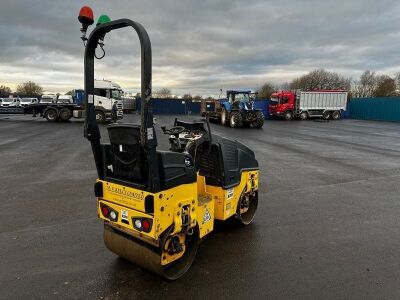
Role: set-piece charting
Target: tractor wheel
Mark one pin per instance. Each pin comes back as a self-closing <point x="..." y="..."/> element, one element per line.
<point x="235" y="120"/>
<point x="304" y="115"/>
<point x="247" y="207"/>
<point x="51" y="115"/>
<point x="336" y="115"/>
<point x="326" y="115"/>
<point x="288" y="116"/>
<point x="224" y="116"/>
<point x="259" y="122"/>
<point x="100" y="116"/>
<point x="65" y="114"/>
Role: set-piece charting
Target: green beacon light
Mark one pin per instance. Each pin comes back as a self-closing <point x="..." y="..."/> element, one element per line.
<point x="100" y="21"/>
<point x="103" y="19"/>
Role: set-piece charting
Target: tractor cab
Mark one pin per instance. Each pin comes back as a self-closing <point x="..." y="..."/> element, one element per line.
<point x="240" y="99"/>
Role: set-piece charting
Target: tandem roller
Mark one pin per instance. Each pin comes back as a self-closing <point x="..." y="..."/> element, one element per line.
<point x="157" y="205"/>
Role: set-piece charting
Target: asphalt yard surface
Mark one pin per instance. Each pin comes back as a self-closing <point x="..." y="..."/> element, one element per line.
<point x="327" y="226"/>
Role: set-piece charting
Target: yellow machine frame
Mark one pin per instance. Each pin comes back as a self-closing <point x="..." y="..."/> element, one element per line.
<point x="205" y="203"/>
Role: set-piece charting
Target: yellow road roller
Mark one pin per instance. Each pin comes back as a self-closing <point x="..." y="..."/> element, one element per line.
<point x="157" y="205"/>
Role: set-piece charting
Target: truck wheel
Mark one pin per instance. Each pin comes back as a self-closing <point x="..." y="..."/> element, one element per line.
<point x="224" y="116"/>
<point x="304" y="115"/>
<point x="235" y="120"/>
<point x="51" y="115"/>
<point x="65" y="114"/>
<point x="326" y="115"/>
<point x="288" y="116"/>
<point x="100" y="116"/>
<point x="336" y="115"/>
<point x="259" y="122"/>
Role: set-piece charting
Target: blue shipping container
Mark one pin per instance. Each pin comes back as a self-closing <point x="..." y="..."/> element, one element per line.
<point x="172" y="106"/>
<point x="380" y="109"/>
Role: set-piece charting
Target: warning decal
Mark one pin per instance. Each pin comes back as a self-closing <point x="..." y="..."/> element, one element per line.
<point x="207" y="216"/>
<point x="150" y="133"/>
<point x="124" y="215"/>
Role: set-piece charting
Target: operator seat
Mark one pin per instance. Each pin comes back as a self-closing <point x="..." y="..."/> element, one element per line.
<point x="125" y="161"/>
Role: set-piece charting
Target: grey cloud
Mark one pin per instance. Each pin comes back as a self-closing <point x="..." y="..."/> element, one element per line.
<point x="200" y="46"/>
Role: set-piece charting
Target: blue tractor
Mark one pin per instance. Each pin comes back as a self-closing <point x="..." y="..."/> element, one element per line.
<point x="236" y="110"/>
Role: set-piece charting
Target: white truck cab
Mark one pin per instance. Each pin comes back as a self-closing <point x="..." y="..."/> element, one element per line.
<point x="108" y="100"/>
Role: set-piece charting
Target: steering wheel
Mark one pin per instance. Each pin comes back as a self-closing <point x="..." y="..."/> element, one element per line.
<point x="175" y="130"/>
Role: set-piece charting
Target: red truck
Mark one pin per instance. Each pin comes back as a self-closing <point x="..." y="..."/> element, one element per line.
<point x="328" y="104"/>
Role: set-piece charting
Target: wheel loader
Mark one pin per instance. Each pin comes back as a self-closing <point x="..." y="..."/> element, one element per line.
<point x="157" y="205"/>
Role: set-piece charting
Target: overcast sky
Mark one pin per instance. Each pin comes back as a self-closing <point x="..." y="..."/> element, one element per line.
<point x="201" y="46"/>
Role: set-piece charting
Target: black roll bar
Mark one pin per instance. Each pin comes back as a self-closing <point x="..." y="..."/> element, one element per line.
<point x="148" y="137"/>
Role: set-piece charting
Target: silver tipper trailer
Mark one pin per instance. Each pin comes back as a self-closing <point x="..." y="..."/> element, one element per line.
<point x="325" y="104"/>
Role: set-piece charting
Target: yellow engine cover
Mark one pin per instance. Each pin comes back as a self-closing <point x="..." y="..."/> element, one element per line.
<point x="226" y="200"/>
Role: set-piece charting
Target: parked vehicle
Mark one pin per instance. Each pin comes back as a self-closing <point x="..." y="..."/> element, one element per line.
<point x="11" y="102"/>
<point x="65" y="99"/>
<point x="328" y="104"/>
<point x="236" y="110"/>
<point x="107" y="98"/>
<point x="129" y="104"/>
<point x="28" y="101"/>
<point x="107" y="101"/>
<point x="48" y="98"/>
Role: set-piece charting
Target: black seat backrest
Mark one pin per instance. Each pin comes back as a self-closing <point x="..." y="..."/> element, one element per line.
<point x="125" y="153"/>
<point x="125" y="161"/>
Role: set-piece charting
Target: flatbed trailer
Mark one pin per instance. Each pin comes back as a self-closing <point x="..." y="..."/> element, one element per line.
<point x="57" y="111"/>
<point x="12" y="110"/>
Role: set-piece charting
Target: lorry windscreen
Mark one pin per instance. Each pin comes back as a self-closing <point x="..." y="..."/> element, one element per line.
<point x="273" y="99"/>
<point x="116" y="94"/>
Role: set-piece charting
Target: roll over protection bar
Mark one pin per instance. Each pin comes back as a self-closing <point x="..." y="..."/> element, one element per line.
<point x="148" y="137"/>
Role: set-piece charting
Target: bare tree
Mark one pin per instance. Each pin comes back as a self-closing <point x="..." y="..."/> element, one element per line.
<point x="397" y="80"/>
<point x="386" y="86"/>
<point x="265" y="91"/>
<point x="366" y="86"/>
<point x="5" y="91"/>
<point x="321" y="80"/>
<point x="29" y="88"/>
<point x="163" y="93"/>
<point x="187" y="96"/>
<point x="197" y="98"/>
<point x="372" y="85"/>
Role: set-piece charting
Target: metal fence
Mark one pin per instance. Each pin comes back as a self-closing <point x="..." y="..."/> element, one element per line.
<point x="172" y="106"/>
<point x="379" y="109"/>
